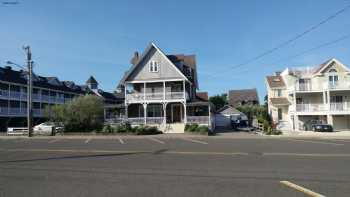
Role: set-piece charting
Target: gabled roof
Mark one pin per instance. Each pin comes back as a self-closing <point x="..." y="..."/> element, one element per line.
<point x="275" y="81"/>
<point x="147" y="50"/>
<point x="329" y="63"/>
<point x="228" y="110"/>
<point x="237" y="96"/>
<point x="91" y="80"/>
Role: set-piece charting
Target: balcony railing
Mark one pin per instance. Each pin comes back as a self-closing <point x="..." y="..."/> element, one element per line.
<point x="337" y="85"/>
<point x="154" y="96"/>
<point x="340" y="106"/>
<point x="16" y="111"/>
<point x="310" y="107"/>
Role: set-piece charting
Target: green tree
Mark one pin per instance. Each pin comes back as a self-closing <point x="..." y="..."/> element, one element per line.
<point x="218" y="100"/>
<point x="84" y="113"/>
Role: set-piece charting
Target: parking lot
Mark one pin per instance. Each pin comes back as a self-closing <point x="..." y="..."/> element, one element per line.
<point x="173" y="166"/>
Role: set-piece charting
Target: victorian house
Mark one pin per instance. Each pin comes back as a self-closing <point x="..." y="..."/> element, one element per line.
<point x="161" y="90"/>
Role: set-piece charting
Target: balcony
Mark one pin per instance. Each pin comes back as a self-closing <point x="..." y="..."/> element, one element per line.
<point x="312" y="107"/>
<point x="340" y="107"/>
<point x="4" y="94"/>
<point x="344" y="85"/>
<point x="21" y="112"/>
<point x="138" y="97"/>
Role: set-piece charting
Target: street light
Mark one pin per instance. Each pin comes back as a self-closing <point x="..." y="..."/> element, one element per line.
<point x="29" y="70"/>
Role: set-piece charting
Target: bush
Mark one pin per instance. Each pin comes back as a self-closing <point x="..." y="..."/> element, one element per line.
<point x="83" y="113"/>
<point x="271" y="131"/>
<point x="107" y="129"/>
<point x="146" y="130"/>
<point x="195" y="128"/>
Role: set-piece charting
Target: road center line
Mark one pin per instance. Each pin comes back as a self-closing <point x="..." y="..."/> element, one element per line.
<point x="316" y="142"/>
<point x="156" y="140"/>
<point x="301" y="189"/>
<point x="194" y="141"/>
<point x="53" y="141"/>
<point x="87" y="140"/>
<point x="121" y="140"/>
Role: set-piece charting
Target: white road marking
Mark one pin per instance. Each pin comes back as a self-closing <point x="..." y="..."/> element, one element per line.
<point x="121" y="140"/>
<point x="195" y="141"/>
<point x="301" y="189"/>
<point x="87" y="140"/>
<point x="317" y="142"/>
<point x="156" y="140"/>
<point x="53" y="141"/>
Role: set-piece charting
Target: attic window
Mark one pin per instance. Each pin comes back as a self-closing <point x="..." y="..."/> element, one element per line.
<point x="332" y="70"/>
<point x="153" y="67"/>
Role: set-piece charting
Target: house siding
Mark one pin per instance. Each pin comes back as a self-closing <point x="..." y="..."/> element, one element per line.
<point x="166" y="70"/>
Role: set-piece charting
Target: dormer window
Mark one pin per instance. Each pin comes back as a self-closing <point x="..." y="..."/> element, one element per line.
<point x="153" y="67"/>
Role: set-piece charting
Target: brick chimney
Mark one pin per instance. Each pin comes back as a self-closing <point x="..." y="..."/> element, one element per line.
<point x="135" y="58"/>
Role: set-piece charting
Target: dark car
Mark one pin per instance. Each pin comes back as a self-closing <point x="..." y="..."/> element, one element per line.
<point x="322" y="128"/>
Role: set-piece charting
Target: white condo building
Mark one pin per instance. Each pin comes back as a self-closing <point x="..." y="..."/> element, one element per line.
<point x="300" y="97"/>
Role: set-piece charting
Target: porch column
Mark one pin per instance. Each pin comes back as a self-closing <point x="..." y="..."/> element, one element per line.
<point x="164" y="113"/>
<point x="126" y="111"/>
<point x="145" y="112"/>
<point x="184" y="89"/>
<point x="328" y="100"/>
<point x="144" y="91"/>
<point x="295" y="101"/>
<point x="185" y="112"/>
<point x="330" y="119"/>
<point x="296" y="123"/>
<point x="164" y="90"/>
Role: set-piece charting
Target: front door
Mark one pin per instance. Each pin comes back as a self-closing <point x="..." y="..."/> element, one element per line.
<point x="176" y="112"/>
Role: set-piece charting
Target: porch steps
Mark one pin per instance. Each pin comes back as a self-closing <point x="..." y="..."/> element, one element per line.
<point x="174" y="128"/>
<point x="283" y="126"/>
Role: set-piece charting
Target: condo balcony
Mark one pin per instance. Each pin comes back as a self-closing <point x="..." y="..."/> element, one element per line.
<point x="320" y="107"/>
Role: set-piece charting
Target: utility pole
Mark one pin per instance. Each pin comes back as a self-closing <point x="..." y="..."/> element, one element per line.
<point x="29" y="89"/>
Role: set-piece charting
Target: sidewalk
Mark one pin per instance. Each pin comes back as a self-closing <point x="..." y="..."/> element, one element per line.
<point x="311" y="134"/>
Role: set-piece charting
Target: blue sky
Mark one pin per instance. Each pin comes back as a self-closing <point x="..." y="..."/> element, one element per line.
<point x="74" y="39"/>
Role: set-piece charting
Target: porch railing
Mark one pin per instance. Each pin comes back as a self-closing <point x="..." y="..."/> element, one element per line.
<point x="154" y="120"/>
<point x="198" y="119"/>
<point x="137" y="120"/>
<point x="154" y="96"/>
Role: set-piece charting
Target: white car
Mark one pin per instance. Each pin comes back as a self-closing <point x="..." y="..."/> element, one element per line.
<point x="45" y="128"/>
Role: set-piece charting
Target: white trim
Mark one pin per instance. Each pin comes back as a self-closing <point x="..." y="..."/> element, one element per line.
<point x="153" y="81"/>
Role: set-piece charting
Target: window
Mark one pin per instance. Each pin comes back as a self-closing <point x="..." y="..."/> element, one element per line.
<point x="153" y="67"/>
<point x="279" y="113"/>
<point x="279" y="92"/>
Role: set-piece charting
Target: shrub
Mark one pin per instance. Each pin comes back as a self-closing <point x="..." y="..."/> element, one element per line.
<point x="123" y="128"/>
<point x="195" y="128"/>
<point x="107" y="129"/>
<point x="271" y="131"/>
<point x="146" y="130"/>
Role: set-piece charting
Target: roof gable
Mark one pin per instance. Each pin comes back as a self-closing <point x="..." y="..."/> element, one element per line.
<point x="330" y="64"/>
<point x="140" y="71"/>
<point x="228" y="110"/>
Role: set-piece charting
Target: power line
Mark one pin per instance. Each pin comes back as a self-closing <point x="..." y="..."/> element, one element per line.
<point x="344" y="37"/>
<point x="298" y="36"/>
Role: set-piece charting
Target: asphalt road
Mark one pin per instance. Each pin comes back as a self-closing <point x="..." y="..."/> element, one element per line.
<point x="181" y="166"/>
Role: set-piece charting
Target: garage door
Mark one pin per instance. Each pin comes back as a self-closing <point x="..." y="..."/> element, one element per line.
<point x="222" y="121"/>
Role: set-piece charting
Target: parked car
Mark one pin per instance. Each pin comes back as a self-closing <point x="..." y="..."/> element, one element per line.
<point x="322" y="128"/>
<point x="48" y="128"/>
